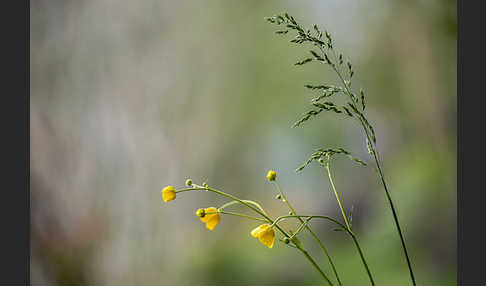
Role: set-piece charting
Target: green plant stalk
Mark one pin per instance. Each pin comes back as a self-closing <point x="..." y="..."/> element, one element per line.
<point x="395" y="217"/>
<point x="298" y="245"/>
<point x="390" y="201"/>
<point x="355" y="240"/>
<point x="328" y="167"/>
<point x="306" y="254"/>
<point x="321" y="245"/>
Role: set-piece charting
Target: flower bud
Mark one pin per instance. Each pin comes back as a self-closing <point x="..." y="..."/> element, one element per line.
<point x="278" y="197"/>
<point x="205" y="185"/>
<point x="271" y="175"/>
<point x="201" y="213"/>
<point x="188" y="182"/>
<point x="286" y="240"/>
<point x="168" y="193"/>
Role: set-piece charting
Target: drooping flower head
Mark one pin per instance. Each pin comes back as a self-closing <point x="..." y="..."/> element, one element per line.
<point x="271" y="175"/>
<point x="168" y="193"/>
<point x="265" y="234"/>
<point x="209" y="216"/>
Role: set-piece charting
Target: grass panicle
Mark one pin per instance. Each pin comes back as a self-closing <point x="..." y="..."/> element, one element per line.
<point x="330" y="57"/>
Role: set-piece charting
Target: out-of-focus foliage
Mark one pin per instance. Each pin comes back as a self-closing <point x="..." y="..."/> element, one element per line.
<point x="130" y="96"/>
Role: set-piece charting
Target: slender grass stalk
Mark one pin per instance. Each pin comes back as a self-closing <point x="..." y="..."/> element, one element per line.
<point x="328" y="153"/>
<point x="296" y="242"/>
<point x="395" y="217"/>
<point x="321" y="245"/>
<point x="374" y="152"/>
<point x="328" y="168"/>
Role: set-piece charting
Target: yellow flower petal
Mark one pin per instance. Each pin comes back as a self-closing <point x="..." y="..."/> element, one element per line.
<point x="268" y="238"/>
<point x="265" y="234"/>
<point x="211" y="220"/>
<point x="168" y="193"/>
<point x="257" y="230"/>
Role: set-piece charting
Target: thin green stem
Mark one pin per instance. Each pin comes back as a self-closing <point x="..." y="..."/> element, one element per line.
<point x="395" y="217"/>
<point x="246" y="201"/>
<point x="306" y="254"/>
<point x="321" y="245"/>
<point x="328" y="167"/>
<point x="238" y="214"/>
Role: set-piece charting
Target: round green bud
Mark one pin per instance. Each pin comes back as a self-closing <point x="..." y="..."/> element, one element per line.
<point x="321" y="160"/>
<point x="188" y="182"/>
<point x="201" y="213"/>
<point x="205" y="185"/>
<point x="286" y="240"/>
<point x="278" y="197"/>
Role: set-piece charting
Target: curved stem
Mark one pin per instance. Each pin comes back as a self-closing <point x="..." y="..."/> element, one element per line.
<point x="246" y="201"/>
<point x="243" y="202"/>
<point x="321" y="245"/>
<point x="328" y="167"/>
<point x="238" y="214"/>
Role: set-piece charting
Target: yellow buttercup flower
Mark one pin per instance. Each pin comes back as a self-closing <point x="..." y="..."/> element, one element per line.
<point x="265" y="235"/>
<point x="271" y="175"/>
<point x="209" y="216"/>
<point x="168" y="193"/>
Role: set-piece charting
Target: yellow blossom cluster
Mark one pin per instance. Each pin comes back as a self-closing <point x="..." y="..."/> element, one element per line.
<point x="211" y="216"/>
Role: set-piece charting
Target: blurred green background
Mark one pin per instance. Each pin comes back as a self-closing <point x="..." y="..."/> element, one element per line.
<point x="130" y="96"/>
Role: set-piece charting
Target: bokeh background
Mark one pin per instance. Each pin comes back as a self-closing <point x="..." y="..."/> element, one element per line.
<point x="130" y="96"/>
